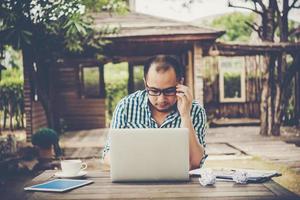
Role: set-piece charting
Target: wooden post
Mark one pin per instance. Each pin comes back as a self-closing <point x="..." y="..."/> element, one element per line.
<point x="0" y="123"/>
<point x="198" y="73"/>
<point x="189" y="72"/>
<point x="102" y="82"/>
<point x="27" y="71"/>
<point x="1" y="68"/>
<point x="130" y="86"/>
<point x="297" y="96"/>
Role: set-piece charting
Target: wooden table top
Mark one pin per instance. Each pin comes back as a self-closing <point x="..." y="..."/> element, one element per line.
<point x="103" y="188"/>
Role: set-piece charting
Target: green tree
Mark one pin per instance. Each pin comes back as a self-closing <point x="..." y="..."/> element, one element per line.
<point x="115" y="85"/>
<point x="117" y="6"/>
<point x="44" y="30"/>
<point x="235" y="25"/>
<point x="278" y="74"/>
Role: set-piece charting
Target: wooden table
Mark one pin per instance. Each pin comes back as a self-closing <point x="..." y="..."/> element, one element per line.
<point x="103" y="188"/>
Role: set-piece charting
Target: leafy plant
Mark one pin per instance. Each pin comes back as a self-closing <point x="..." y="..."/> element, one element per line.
<point x="12" y="101"/>
<point x="44" y="138"/>
<point x="53" y="27"/>
<point x="48" y="30"/>
<point x="116" y="81"/>
<point x="115" y="85"/>
<point x="235" y="26"/>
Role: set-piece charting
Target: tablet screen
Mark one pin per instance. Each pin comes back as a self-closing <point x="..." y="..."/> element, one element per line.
<point x="59" y="185"/>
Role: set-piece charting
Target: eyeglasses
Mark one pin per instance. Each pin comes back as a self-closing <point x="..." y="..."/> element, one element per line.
<point x="171" y="91"/>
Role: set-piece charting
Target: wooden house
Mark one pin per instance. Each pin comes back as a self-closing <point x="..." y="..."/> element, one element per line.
<point x="233" y="76"/>
<point x="75" y="107"/>
<point x="232" y="87"/>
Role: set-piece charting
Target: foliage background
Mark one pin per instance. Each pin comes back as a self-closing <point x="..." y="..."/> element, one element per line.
<point x="116" y="81"/>
<point x="11" y="90"/>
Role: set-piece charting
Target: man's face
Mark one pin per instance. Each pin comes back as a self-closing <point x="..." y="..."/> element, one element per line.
<point x="162" y="80"/>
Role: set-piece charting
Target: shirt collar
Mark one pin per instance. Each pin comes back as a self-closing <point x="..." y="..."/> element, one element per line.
<point x="145" y="99"/>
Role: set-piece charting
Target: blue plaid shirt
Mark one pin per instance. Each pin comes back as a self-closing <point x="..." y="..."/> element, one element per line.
<point x="133" y="111"/>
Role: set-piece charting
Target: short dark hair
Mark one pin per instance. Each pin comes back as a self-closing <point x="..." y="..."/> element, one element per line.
<point x="164" y="63"/>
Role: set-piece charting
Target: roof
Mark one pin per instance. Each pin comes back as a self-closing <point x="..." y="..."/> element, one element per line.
<point x="234" y="49"/>
<point x="135" y="24"/>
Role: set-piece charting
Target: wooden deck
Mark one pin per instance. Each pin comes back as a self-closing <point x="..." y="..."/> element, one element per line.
<point x="248" y="141"/>
<point x="235" y="122"/>
<point x="233" y="142"/>
<point x="85" y="144"/>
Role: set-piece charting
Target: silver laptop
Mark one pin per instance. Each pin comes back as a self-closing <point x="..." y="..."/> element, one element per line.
<point x="160" y="154"/>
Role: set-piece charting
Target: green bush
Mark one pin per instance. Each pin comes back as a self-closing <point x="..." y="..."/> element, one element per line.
<point x="116" y="77"/>
<point x="12" y="99"/>
<point x="235" y="26"/>
<point x="44" y="138"/>
<point x="114" y="93"/>
<point x="116" y="82"/>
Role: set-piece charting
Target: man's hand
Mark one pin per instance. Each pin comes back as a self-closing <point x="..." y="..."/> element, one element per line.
<point x="184" y="100"/>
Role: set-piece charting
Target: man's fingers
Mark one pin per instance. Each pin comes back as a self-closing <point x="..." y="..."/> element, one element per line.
<point x="180" y="94"/>
<point x="181" y="97"/>
<point x="184" y="89"/>
<point x="187" y="95"/>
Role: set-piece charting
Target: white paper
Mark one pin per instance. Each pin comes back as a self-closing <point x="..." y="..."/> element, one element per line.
<point x="226" y="173"/>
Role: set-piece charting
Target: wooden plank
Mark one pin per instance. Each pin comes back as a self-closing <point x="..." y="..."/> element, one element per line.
<point x="280" y="191"/>
<point x="160" y="195"/>
<point x="82" y="104"/>
<point x="82" y="110"/>
<point x="81" y="113"/>
<point x="94" y="189"/>
<point x="84" y="153"/>
<point x="86" y="118"/>
<point x="221" y="149"/>
<point x="202" y="198"/>
<point x="87" y="127"/>
<point x="38" y="116"/>
<point x="72" y="101"/>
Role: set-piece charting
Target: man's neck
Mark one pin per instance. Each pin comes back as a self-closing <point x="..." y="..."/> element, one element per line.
<point x="159" y="116"/>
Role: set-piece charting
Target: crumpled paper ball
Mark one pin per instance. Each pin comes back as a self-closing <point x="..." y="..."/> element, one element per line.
<point x="207" y="178"/>
<point x="240" y="177"/>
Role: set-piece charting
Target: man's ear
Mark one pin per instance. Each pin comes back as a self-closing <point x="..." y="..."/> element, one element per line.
<point x="144" y="82"/>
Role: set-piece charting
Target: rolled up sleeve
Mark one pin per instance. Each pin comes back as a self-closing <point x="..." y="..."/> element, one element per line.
<point x="199" y="122"/>
<point x="118" y="121"/>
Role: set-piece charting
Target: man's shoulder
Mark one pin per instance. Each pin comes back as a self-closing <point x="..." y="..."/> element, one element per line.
<point x="136" y="97"/>
<point x="197" y="108"/>
<point x="196" y="104"/>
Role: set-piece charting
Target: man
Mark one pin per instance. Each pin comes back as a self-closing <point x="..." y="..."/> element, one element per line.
<point x="165" y="103"/>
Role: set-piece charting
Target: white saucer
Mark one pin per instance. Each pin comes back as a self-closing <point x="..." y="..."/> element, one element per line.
<point x="60" y="174"/>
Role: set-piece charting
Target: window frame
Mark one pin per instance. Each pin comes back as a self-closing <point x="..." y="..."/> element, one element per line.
<point x="232" y="60"/>
<point x="82" y="93"/>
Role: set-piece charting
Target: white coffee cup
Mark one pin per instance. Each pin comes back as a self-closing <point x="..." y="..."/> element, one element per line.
<point x="72" y="167"/>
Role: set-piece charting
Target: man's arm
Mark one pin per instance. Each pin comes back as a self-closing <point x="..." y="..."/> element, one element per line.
<point x="184" y="104"/>
<point x="106" y="161"/>
<point x="118" y="121"/>
<point x="196" y="149"/>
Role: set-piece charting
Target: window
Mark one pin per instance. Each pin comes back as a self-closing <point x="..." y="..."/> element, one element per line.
<point x="90" y="80"/>
<point x="232" y="79"/>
